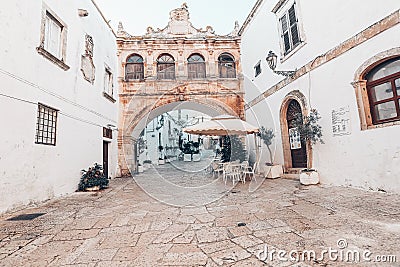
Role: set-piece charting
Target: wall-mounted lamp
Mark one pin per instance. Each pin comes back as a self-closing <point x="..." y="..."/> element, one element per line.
<point x="111" y="126"/>
<point x="271" y="60"/>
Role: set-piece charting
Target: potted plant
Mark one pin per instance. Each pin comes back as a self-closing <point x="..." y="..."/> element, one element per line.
<point x="147" y="163"/>
<point x="311" y="133"/>
<point x="93" y="179"/>
<point x="187" y="151"/>
<point x="271" y="170"/>
<point x="140" y="168"/>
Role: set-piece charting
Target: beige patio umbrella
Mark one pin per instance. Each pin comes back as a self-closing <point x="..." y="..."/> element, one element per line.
<point x="225" y="125"/>
<point x="222" y="125"/>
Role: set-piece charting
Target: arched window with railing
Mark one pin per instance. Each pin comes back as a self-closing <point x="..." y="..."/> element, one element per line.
<point x="134" y="68"/>
<point x="196" y="67"/>
<point x="226" y="66"/>
<point x="165" y="67"/>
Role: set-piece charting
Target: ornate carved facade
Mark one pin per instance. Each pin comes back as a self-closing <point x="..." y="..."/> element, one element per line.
<point x="178" y="63"/>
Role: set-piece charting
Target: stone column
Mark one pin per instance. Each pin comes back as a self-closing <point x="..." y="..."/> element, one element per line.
<point x="180" y="60"/>
<point x="127" y="157"/>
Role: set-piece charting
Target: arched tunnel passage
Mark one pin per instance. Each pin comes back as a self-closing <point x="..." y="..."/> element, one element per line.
<point x="136" y="122"/>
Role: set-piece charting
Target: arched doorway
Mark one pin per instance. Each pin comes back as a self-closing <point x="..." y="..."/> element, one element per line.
<point x="298" y="148"/>
<point x="296" y="154"/>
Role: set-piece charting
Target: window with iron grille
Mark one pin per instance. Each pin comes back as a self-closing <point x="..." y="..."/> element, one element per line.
<point x="383" y="86"/>
<point x="196" y="67"/>
<point x="134" y="68"/>
<point x="257" y="69"/>
<point x="165" y="67"/>
<point x="46" y="125"/>
<point x="226" y="66"/>
<point x="289" y="30"/>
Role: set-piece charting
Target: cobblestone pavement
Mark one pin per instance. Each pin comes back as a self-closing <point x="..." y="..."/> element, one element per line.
<point x="124" y="226"/>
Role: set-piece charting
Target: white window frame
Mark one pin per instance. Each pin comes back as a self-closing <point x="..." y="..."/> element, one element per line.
<point x="53" y="38"/>
<point x="281" y="10"/>
<point x="108" y="84"/>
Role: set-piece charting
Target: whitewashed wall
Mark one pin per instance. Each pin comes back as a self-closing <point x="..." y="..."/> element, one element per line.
<point x="31" y="172"/>
<point x="369" y="158"/>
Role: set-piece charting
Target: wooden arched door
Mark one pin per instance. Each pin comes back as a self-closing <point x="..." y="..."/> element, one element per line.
<point x="298" y="148"/>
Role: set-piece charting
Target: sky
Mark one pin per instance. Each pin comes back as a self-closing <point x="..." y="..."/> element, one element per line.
<point x="137" y="15"/>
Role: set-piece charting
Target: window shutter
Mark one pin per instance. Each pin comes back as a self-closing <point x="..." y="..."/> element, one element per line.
<point x="285" y="33"/>
<point x="295" y="35"/>
<point x="293" y="26"/>
<point x="284" y="24"/>
<point x="292" y="16"/>
<point x="286" y="42"/>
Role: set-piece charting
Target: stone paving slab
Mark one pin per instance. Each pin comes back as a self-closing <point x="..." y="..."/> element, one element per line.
<point x="124" y="226"/>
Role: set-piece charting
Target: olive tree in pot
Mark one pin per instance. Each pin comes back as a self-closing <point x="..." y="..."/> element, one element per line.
<point x="311" y="133"/>
<point x="271" y="170"/>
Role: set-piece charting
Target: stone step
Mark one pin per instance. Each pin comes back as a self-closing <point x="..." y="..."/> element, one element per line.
<point x="294" y="176"/>
<point x="294" y="170"/>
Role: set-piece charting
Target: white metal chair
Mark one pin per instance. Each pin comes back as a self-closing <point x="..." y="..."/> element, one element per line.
<point x="233" y="172"/>
<point x="249" y="170"/>
<point x="217" y="169"/>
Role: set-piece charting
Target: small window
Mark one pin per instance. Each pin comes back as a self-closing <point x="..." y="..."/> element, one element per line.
<point x="134" y="69"/>
<point x="196" y="67"/>
<point x="53" y="38"/>
<point x="289" y="30"/>
<point x="107" y="133"/>
<point x="108" y="82"/>
<point x="165" y="67"/>
<point x="226" y="66"/>
<point x="383" y="86"/>
<point x="257" y="69"/>
<point x="46" y="125"/>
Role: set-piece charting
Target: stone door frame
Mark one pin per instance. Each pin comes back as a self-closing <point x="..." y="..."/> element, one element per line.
<point x="287" y="156"/>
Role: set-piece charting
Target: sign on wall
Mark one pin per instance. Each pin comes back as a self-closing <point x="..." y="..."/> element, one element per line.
<point x="341" y="121"/>
<point x="294" y="138"/>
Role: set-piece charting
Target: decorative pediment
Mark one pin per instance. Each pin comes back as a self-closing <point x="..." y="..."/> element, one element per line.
<point x="179" y="25"/>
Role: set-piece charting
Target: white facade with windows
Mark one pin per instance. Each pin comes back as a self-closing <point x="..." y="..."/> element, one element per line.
<point x="347" y="62"/>
<point x="58" y="90"/>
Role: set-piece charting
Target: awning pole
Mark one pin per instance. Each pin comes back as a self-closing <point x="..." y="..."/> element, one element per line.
<point x="257" y="153"/>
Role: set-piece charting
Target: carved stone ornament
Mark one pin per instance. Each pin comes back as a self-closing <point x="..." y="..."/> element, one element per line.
<point x="87" y="66"/>
<point x="89" y="45"/>
<point x="235" y="31"/>
<point x="88" y="69"/>
<point x="179" y="25"/>
<point x="121" y="31"/>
